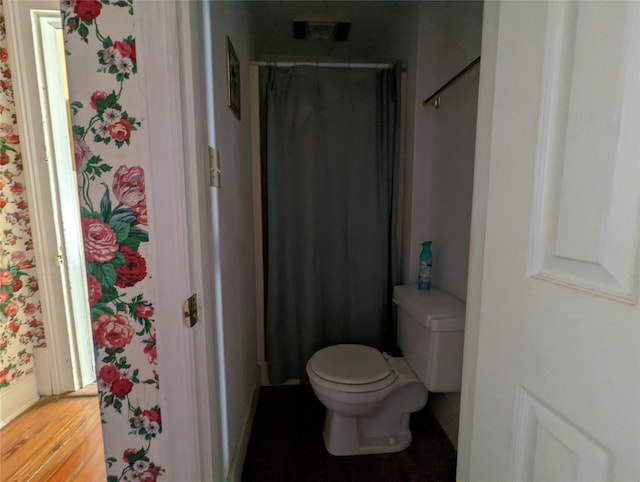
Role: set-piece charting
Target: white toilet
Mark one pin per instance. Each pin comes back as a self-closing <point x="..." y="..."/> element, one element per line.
<point x="369" y="395"/>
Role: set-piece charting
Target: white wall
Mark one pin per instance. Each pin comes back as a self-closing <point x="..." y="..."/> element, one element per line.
<point x="380" y="31"/>
<point x="235" y="222"/>
<point x="449" y="36"/>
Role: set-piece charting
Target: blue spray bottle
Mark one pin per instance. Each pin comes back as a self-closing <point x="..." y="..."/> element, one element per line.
<point x="426" y="262"/>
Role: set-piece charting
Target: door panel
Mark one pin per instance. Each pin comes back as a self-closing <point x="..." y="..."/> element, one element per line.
<point x="558" y="379"/>
<point x="67" y="363"/>
<point x="587" y="150"/>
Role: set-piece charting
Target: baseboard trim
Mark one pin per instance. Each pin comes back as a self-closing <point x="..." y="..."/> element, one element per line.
<point x="17" y="398"/>
<point x="240" y="451"/>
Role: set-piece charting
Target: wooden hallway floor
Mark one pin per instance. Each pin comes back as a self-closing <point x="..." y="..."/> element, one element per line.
<point x="58" y="439"/>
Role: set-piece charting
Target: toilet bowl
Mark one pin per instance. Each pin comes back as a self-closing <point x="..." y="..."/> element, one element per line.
<point x="369" y="396"/>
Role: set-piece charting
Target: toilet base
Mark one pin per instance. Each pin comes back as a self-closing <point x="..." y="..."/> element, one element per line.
<point x="349" y="435"/>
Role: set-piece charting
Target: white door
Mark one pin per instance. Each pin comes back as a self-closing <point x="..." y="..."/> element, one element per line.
<point x="558" y="369"/>
<point x="35" y="33"/>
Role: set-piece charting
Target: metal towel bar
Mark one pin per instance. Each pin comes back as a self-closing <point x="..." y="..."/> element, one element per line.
<point x="434" y="99"/>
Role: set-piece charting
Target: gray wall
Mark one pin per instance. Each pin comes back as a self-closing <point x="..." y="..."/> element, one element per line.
<point x="235" y="201"/>
<point x="449" y="35"/>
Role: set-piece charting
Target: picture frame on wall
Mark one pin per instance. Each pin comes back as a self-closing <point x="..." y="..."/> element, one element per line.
<point x="233" y="79"/>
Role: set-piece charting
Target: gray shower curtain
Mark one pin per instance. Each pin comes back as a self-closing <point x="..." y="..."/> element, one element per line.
<point x="330" y="180"/>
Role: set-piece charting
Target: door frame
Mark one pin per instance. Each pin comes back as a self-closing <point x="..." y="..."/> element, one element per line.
<point x="482" y="165"/>
<point x="57" y="365"/>
<point x="174" y="87"/>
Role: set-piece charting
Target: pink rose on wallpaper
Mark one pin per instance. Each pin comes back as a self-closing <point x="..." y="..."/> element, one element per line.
<point x="112" y="331"/>
<point x="126" y="49"/>
<point x="98" y="95"/>
<point x="153" y="415"/>
<point x="3" y="203"/>
<point x="14" y="327"/>
<point x="4" y="158"/>
<point x="38" y="333"/>
<point x="121" y="387"/>
<point x="95" y="290"/>
<point x="4" y="55"/>
<point x="20" y="259"/>
<point x="11" y="309"/>
<point x="133" y="270"/>
<point x="29" y="309"/>
<point x="33" y="283"/>
<point x="17" y="285"/>
<point x="3" y="376"/>
<point x="3" y="342"/>
<point x="35" y="323"/>
<point x="126" y="456"/>
<point x="149" y="475"/>
<point x="109" y="373"/>
<point x="21" y="217"/>
<point x="6" y="133"/>
<point x="24" y="357"/>
<point x="4" y="297"/>
<point x="151" y="351"/>
<point x="141" y="214"/>
<point x="22" y="205"/>
<point x="144" y="311"/>
<point x="128" y="453"/>
<point x="128" y="186"/>
<point x="81" y="152"/>
<point x="87" y="10"/>
<point x="17" y="189"/>
<point x="7" y="74"/>
<point x="99" y="241"/>
<point x="6" y="278"/>
<point x="121" y="130"/>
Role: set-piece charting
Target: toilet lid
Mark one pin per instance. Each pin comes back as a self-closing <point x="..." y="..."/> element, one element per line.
<point x="350" y="364"/>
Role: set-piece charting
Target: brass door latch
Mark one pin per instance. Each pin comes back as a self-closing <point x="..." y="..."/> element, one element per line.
<point x="190" y="310"/>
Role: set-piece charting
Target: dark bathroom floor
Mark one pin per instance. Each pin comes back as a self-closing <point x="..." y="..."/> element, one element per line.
<point x="286" y="446"/>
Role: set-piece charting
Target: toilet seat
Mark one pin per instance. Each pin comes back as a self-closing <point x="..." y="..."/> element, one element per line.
<point x="351" y="368"/>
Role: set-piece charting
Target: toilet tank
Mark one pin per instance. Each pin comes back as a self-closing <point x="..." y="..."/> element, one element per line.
<point x="431" y="335"/>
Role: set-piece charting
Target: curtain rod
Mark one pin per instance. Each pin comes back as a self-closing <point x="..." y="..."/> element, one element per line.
<point x="324" y="64"/>
<point x="434" y="99"/>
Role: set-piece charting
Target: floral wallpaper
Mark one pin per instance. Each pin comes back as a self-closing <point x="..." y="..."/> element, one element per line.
<point x="20" y="314"/>
<point x="106" y="106"/>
